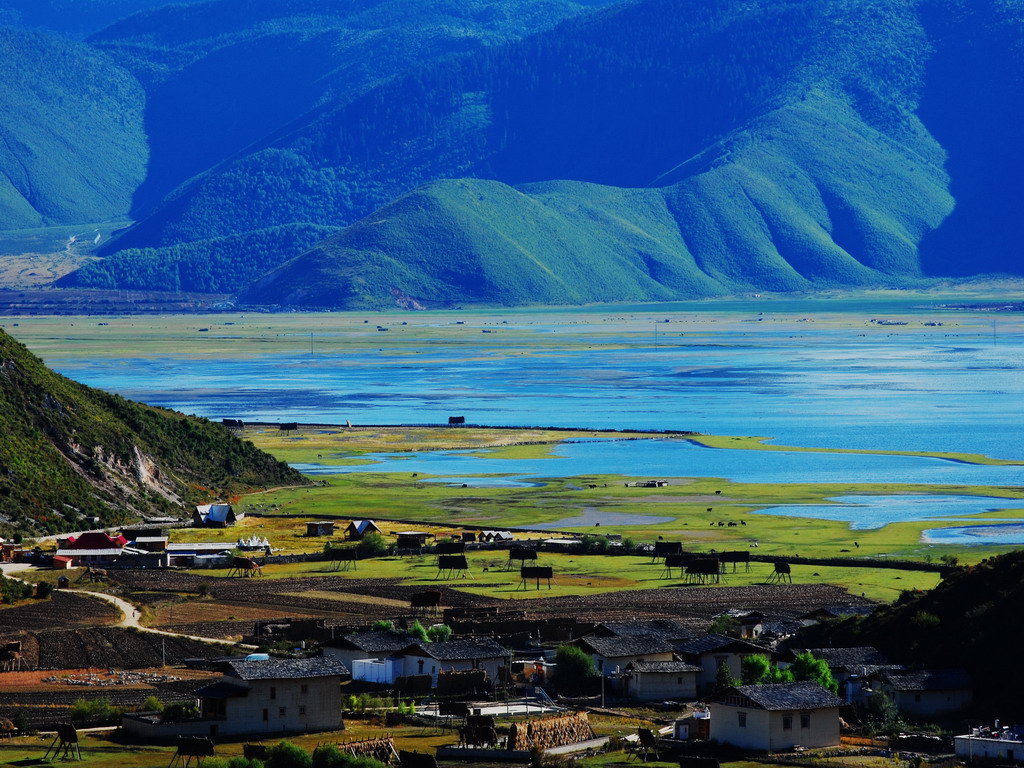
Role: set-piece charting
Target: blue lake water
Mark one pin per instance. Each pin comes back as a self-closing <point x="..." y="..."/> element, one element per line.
<point x="943" y="389"/>
<point x="867" y="512"/>
<point x="681" y="458"/>
<point x="1011" y="534"/>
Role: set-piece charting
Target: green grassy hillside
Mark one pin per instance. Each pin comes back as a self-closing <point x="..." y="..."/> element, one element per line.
<point x="73" y="146"/>
<point x="786" y="138"/>
<point x="70" y="452"/>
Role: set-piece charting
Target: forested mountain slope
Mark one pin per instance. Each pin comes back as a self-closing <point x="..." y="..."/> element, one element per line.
<point x="70" y="452"/>
<point x="967" y="621"/>
<point x="785" y="138"/>
<point x="72" y="146"/>
<point x="72" y="18"/>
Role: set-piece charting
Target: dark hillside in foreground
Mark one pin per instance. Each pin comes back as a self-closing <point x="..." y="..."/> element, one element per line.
<point x="970" y="620"/>
<point x="70" y="452"/>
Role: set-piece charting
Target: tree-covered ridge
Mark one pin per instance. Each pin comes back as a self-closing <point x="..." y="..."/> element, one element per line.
<point x="73" y="145"/>
<point x="218" y="265"/>
<point x="975" y="607"/>
<point x="71" y="452"/>
<point x="72" y="18"/>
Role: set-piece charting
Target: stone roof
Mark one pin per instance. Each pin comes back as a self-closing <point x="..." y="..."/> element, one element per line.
<point x="858" y="656"/>
<point x="461" y="650"/>
<point x="668" y="629"/>
<point x="386" y="641"/>
<point x="667" y="667"/>
<point x="287" y="669"/>
<point x="927" y="680"/>
<point x="222" y="690"/>
<point x="712" y="643"/>
<point x="785" y="696"/>
<point x="637" y="645"/>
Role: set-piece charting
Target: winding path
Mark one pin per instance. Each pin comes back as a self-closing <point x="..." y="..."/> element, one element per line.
<point x="130" y="614"/>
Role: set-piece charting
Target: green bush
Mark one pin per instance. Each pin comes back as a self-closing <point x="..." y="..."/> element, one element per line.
<point x="439" y="633"/>
<point x="84" y="710"/>
<point x="372" y="545"/>
<point x="573" y="668"/>
<point x="288" y="755"/>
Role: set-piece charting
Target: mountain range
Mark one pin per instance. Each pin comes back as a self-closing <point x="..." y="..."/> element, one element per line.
<point x="429" y="153"/>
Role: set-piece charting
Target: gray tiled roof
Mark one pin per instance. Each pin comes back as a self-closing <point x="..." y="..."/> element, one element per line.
<point x="669" y="629"/>
<point x="928" y="680"/>
<point x="385" y="641"/>
<point x="638" y="645"/>
<point x="712" y="643"/>
<point x="668" y="667"/>
<point x="785" y="696"/>
<point x="282" y="669"/>
<point x="850" y="657"/>
<point x="459" y="650"/>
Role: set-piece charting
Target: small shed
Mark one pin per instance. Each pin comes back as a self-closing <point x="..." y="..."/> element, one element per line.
<point x="359" y="528"/>
<point x="62" y="562"/>
<point x="320" y="528"/>
<point x="215" y="516"/>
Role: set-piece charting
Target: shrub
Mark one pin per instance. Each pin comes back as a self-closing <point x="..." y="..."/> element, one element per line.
<point x="180" y="711"/>
<point x="372" y="545"/>
<point x="439" y="633"/>
<point x="152" y="704"/>
<point x="288" y="755"/>
<point x="382" y="626"/>
<point x="573" y="668"/>
<point x="417" y="631"/>
<point x="84" y="710"/>
<point x="43" y="590"/>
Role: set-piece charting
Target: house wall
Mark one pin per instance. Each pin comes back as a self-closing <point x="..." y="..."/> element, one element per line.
<point x="316" y="709"/>
<point x="925" y="704"/>
<point x="608" y="665"/>
<point x="656" y="686"/>
<point x="710" y="663"/>
<point x="971" y="748"/>
<point x="766" y="732"/>
<point x="411" y="666"/>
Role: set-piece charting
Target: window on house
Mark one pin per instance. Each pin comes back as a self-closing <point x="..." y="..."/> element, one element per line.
<point x="742" y="718"/>
<point x="805" y="720"/>
<point x="282" y="711"/>
<point x="917" y="697"/>
<point x="720" y="661"/>
<point x="304" y="689"/>
<point x="273" y="693"/>
<point x="679" y="681"/>
<point x="787" y="722"/>
<point x="302" y="710"/>
<point x="266" y="715"/>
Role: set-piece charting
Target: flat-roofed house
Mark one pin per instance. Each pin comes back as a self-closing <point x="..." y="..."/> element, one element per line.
<point x="773" y="718"/>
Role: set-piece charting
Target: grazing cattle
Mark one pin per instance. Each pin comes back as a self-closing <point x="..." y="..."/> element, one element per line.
<point x="244" y="566"/>
<point x="478" y="736"/>
<point x="94" y="574"/>
<point x="706" y="570"/>
<point x="536" y="572"/>
<point x="449" y="566"/>
<point x="781" y="574"/>
<point x="11" y="659"/>
<point x="710" y="509"/>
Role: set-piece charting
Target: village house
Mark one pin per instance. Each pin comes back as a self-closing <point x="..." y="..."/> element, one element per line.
<point x="661" y="680"/>
<point x="359" y="528"/>
<point x="714" y="651"/>
<point x="614" y="654"/>
<point x="926" y="693"/>
<point x="266" y="697"/>
<point x="215" y="516"/>
<point x="851" y="667"/>
<point x="365" y="645"/>
<point x="92" y="548"/>
<point x="459" y="655"/>
<point x="320" y="528"/>
<point x="773" y="718"/>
